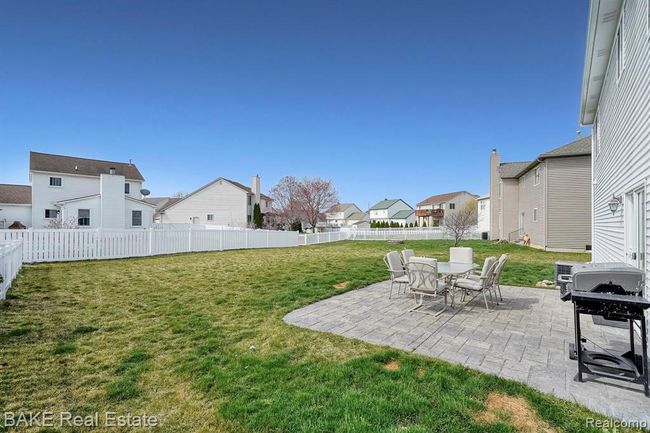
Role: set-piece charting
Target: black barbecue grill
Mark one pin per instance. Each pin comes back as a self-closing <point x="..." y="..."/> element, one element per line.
<point x="613" y="291"/>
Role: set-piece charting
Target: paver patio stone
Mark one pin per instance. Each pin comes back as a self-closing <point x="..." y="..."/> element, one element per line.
<point x="525" y="338"/>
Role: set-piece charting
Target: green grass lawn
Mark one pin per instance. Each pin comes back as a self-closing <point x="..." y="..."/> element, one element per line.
<point x="198" y="340"/>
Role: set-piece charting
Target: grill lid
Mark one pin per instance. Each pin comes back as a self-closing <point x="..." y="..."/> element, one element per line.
<point x="618" y="278"/>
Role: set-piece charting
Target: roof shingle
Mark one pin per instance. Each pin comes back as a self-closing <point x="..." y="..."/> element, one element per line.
<point x="15" y="194"/>
<point x="441" y="198"/>
<point x="81" y="166"/>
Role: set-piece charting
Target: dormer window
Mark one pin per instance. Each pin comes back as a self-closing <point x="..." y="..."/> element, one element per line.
<point x="56" y="181"/>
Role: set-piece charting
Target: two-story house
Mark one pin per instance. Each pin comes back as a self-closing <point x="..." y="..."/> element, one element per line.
<point x="614" y="100"/>
<point x="548" y="199"/>
<point x="483" y="226"/>
<point x="431" y="211"/>
<point x="344" y="215"/>
<point x="392" y="211"/>
<point x="87" y="193"/>
<point x="222" y="202"/>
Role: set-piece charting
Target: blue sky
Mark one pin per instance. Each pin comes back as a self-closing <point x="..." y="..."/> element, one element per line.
<point x="386" y="99"/>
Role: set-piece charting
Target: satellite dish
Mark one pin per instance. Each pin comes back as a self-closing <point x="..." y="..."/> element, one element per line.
<point x="145" y="192"/>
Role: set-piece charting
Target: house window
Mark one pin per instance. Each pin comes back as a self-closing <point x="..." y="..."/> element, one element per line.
<point x="83" y="217"/>
<point x="127" y="188"/>
<point x="136" y="218"/>
<point x="51" y="213"/>
<point x="56" y="181"/>
<point x="536" y="176"/>
<point x="482" y="205"/>
<point x="210" y="217"/>
<point x="249" y="219"/>
<point x="535" y="215"/>
<point x="452" y="206"/>
<point x="250" y="200"/>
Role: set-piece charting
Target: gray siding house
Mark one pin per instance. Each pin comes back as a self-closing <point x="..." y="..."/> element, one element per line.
<point x="615" y="101"/>
<point x="549" y="198"/>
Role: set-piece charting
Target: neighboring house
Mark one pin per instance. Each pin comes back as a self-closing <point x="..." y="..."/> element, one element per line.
<point x="88" y="193"/>
<point x="222" y="202"/>
<point x="339" y="215"/>
<point x="15" y="205"/>
<point x="615" y="95"/>
<point x="386" y="209"/>
<point x="431" y="212"/>
<point x="549" y="198"/>
<point x="403" y="217"/>
<point x="483" y="226"/>
<point x="359" y="220"/>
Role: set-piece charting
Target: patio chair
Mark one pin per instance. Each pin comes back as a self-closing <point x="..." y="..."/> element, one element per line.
<point x="496" y="285"/>
<point x="480" y="284"/>
<point x="424" y="282"/>
<point x="406" y="256"/>
<point x="461" y="255"/>
<point x="397" y="273"/>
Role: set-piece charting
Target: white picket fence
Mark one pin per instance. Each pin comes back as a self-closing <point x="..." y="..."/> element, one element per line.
<point x="418" y="233"/>
<point x="51" y="245"/>
<point x="11" y="260"/>
<point x="48" y="245"/>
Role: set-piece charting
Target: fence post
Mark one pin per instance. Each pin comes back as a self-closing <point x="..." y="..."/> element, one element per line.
<point x="268" y="241"/>
<point x="246" y="237"/>
<point x="150" y="233"/>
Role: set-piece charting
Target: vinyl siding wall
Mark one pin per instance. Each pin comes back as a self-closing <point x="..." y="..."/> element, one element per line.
<point x="568" y="203"/>
<point x="531" y="197"/>
<point x="623" y="119"/>
<point x="509" y="207"/>
<point x="225" y="201"/>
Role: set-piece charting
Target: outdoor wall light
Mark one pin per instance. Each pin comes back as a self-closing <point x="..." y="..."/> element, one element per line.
<point x="614" y="203"/>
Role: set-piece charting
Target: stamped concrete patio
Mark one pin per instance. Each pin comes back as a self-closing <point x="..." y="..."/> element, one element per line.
<point x="525" y="338"/>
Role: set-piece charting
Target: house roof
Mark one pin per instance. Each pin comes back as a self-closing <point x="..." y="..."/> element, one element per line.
<point x="358" y="216"/>
<point x="511" y="170"/>
<point x="387" y="203"/>
<point x="246" y="188"/>
<point x="441" y="198"/>
<point x="403" y="214"/>
<point x="82" y="166"/>
<point x="601" y="31"/>
<point x="484" y="197"/>
<point x="15" y="194"/>
<point x="578" y="147"/>
<point x="341" y="207"/>
<point x="173" y="201"/>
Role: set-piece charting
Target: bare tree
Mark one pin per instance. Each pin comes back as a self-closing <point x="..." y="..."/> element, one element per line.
<point x="461" y="222"/>
<point x="315" y="196"/>
<point x="285" y="207"/>
<point x="303" y="199"/>
<point x="58" y="223"/>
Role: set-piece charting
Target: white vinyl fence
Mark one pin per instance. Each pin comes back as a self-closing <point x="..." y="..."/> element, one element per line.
<point x="418" y="233"/>
<point x="51" y="245"/>
<point x="11" y="260"/>
<point x="47" y="245"/>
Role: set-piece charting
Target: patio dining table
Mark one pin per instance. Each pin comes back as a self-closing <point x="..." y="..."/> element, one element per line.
<point x="452" y="270"/>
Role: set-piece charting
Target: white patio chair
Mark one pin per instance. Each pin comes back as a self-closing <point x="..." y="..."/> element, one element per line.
<point x="424" y="282"/>
<point x="397" y="273"/>
<point x="482" y="284"/>
<point x="461" y="255"/>
<point x="406" y="256"/>
<point x="496" y="285"/>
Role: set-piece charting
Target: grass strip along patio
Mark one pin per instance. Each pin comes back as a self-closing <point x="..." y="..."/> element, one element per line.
<point x="198" y="341"/>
